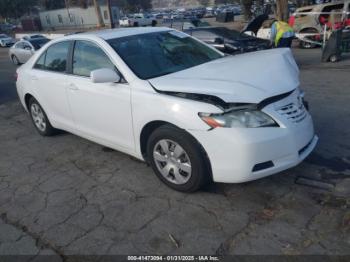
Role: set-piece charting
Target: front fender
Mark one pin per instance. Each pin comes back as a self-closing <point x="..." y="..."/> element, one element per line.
<point x="149" y="106"/>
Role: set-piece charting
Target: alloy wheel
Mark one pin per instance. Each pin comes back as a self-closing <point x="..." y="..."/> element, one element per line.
<point x="15" y="60"/>
<point x="38" y="117"/>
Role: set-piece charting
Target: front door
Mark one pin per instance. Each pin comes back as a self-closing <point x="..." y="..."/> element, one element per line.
<point x="100" y="111"/>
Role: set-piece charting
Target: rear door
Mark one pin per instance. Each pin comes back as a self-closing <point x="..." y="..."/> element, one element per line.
<point x="49" y="78"/>
<point x="27" y="51"/>
<point x="19" y="51"/>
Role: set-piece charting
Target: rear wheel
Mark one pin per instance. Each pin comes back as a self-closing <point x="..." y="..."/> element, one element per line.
<point x="305" y="44"/>
<point x="39" y="119"/>
<point x="136" y="24"/>
<point x="15" y="60"/>
<point x="334" y="58"/>
<point x="177" y="159"/>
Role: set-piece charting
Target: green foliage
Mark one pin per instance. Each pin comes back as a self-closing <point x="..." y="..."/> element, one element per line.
<point x="15" y="8"/>
<point x="52" y="4"/>
<point x="219" y="2"/>
<point x="204" y="2"/>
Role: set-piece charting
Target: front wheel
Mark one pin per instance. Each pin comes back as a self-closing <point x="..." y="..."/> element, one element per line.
<point x="177" y="159"/>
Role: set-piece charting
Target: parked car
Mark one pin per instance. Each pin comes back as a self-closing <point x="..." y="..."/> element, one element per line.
<point x="23" y="50"/>
<point x="7" y="27"/>
<point x="194" y="114"/>
<point x="136" y="20"/>
<point x="229" y="41"/>
<point x="30" y="37"/>
<point x="6" y="40"/>
<point x="311" y="19"/>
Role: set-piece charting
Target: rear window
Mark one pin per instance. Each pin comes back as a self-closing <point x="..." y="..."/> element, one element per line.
<point x="38" y="43"/>
<point x="55" y="58"/>
<point x="300" y="13"/>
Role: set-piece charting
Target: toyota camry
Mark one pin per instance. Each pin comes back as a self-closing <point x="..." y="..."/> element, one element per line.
<point x="195" y="115"/>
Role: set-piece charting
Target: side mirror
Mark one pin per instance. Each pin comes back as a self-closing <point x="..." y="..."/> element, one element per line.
<point x="104" y="75"/>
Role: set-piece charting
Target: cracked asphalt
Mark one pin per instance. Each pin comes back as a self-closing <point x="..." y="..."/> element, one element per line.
<point x="65" y="196"/>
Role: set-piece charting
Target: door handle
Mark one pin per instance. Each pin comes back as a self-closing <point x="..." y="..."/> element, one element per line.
<point x="34" y="78"/>
<point x="73" y="87"/>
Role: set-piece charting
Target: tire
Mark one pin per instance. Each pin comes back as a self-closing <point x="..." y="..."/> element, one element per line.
<point x="136" y="24"/>
<point x="182" y="156"/>
<point x="15" y="60"/>
<point x="154" y="23"/>
<point x="306" y="45"/>
<point x="40" y="119"/>
<point x="334" y="58"/>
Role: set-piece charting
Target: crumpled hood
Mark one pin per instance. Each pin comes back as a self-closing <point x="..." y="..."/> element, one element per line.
<point x="246" y="78"/>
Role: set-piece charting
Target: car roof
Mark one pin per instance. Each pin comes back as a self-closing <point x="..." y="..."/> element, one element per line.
<point x="122" y="32"/>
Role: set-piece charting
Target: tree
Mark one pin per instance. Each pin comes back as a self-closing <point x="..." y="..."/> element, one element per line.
<point x="282" y="10"/>
<point x="52" y="4"/>
<point x="16" y="8"/>
<point x="246" y="7"/>
<point x="134" y="5"/>
<point x="204" y="2"/>
<point x="100" y="22"/>
<point x="221" y="2"/>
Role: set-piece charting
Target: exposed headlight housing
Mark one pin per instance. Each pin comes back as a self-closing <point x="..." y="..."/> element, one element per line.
<point x="245" y="118"/>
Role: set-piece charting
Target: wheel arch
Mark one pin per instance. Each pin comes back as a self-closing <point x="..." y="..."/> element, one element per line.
<point x="309" y="28"/>
<point x="27" y="98"/>
<point x="148" y="129"/>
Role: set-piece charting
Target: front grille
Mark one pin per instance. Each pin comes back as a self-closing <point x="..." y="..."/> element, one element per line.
<point x="294" y="112"/>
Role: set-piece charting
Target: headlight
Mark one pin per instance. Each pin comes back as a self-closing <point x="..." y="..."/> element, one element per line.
<point x="247" y="118"/>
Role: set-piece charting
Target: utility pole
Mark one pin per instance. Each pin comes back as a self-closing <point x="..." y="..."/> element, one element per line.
<point x="110" y="13"/>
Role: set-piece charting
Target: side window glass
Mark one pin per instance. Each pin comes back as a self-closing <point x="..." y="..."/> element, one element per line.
<point x="88" y="57"/>
<point x="40" y="63"/>
<point x="27" y="46"/>
<point x="56" y="57"/>
<point x="19" y="45"/>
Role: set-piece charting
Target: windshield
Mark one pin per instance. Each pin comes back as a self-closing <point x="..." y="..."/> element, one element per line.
<point x="3" y="36"/>
<point x="38" y="43"/>
<point x="155" y="54"/>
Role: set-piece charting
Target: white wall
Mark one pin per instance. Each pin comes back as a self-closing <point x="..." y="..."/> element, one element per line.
<point x="80" y="18"/>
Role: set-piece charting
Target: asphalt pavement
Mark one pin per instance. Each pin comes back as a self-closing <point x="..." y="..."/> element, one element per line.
<point x="7" y="76"/>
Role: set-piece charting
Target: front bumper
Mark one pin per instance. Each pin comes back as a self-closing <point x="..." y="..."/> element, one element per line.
<point x="244" y="154"/>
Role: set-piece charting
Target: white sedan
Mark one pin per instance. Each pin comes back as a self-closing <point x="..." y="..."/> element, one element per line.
<point x="157" y="94"/>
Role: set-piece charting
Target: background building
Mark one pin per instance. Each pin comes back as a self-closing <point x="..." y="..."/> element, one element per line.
<point x="77" y="17"/>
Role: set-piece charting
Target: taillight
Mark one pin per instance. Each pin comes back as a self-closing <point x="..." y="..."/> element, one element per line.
<point x="291" y="20"/>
